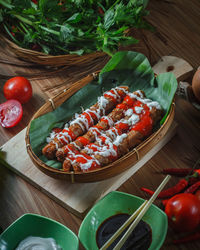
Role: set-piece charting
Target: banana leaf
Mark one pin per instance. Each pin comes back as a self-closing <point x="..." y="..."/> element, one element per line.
<point x="124" y="68"/>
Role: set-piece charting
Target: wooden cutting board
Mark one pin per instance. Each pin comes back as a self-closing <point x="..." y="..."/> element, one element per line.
<point x="79" y="197"/>
<point x="76" y="197"/>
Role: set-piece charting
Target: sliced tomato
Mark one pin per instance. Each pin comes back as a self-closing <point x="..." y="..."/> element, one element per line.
<point x="10" y="113"/>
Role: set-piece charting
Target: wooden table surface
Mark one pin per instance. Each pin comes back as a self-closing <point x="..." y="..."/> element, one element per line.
<point x="177" y="33"/>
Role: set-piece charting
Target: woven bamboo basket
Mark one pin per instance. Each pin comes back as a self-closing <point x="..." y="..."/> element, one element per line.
<point x="108" y="171"/>
<point x="54" y="61"/>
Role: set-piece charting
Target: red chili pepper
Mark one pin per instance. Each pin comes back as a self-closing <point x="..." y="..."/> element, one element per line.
<point x="188" y="238"/>
<point x="193" y="188"/>
<point x="195" y="177"/>
<point x="193" y="180"/>
<point x="197" y="171"/>
<point x="35" y="1"/>
<point x="177" y="171"/>
<point x="170" y="191"/>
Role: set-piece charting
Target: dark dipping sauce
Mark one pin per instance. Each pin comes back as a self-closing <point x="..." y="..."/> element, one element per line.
<point x="140" y="238"/>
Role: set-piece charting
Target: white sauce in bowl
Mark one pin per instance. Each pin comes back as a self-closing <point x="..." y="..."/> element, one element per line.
<point x="38" y="243"/>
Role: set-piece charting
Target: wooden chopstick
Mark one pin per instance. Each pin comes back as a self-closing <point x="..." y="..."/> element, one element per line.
<point x="141" y="214"/>
<point x="123" y="227"/>
<point x="138" y="214"/>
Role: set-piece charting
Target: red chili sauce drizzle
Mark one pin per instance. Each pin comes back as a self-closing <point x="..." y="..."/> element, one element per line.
<point x="83" y="140"/>
<point x="139" y="239"/>
<point x="130" y="102"/>
<point x="113" y="98"/>
<point x="145" y="125"/>
<point x="70" y="134"/>
<point x="83" y="159"/>
<point x="90" y="116"/>
<point x="56" y="130"/>
<point x="68" y="148"/>
<point x="122" y="106"/>
<point x="93" y="115"/>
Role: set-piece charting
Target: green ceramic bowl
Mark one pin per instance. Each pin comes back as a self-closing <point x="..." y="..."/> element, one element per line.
<point x="36" y="225"/>
<point x="115" y="203"/>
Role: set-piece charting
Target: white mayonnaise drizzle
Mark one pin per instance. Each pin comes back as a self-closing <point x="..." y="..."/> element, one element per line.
<point x="146" y="101"/>
<point x="115" y="94"/>
<point x="38" y="243"/>
<point x="95" y="132"/>
<point x="83" y="166"/>
<point x="102" y="102"/>
<point x="111" y="139"/>
<point x="140" y="93"/>
<point x="122" y="89"/>
<point x="112" y="133"/>
<point x="97" y="113"/>
<point x="138" y="110"/>
<point x="133" y="119"/>
<point x="82" y="121"/>
<point x="90" y="151"/>
<point x="129" y="112"/>
<point x="65" y="136"/>
<point x="106" y="149"/>
<point x="51" y="137"/>
<point x="119" y="139"/>
<point x="66" y="125"/>
<point x="109" y="120"/>
<point x="154" y="104"/>
<point x="74" y="143"/>
<point x="88" y="164"/>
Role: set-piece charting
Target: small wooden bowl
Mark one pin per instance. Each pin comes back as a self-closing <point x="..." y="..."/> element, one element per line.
<point x="108" y="171"/>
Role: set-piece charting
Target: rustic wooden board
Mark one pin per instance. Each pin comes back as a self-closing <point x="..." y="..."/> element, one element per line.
<point x="77" y="197"/>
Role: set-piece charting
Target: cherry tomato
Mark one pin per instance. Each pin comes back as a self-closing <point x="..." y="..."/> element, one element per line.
<point x="10" y="113"/>
<point x="18" y="88"/>
<point x="183" y="212"/>
<point x="197" y="194"/>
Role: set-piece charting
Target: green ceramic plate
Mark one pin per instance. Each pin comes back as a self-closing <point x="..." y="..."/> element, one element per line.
<point x="118" y="202"/>
<point x="36" y="225"/>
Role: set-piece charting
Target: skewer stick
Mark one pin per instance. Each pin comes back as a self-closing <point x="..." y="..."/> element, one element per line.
<point x="139" y="212"/>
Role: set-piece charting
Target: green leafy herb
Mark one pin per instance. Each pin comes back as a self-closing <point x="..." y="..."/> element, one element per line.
<point x="72" y="26"/>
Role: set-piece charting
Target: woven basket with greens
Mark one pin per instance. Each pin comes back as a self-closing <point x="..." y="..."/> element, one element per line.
<point x="56" y="27"/>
